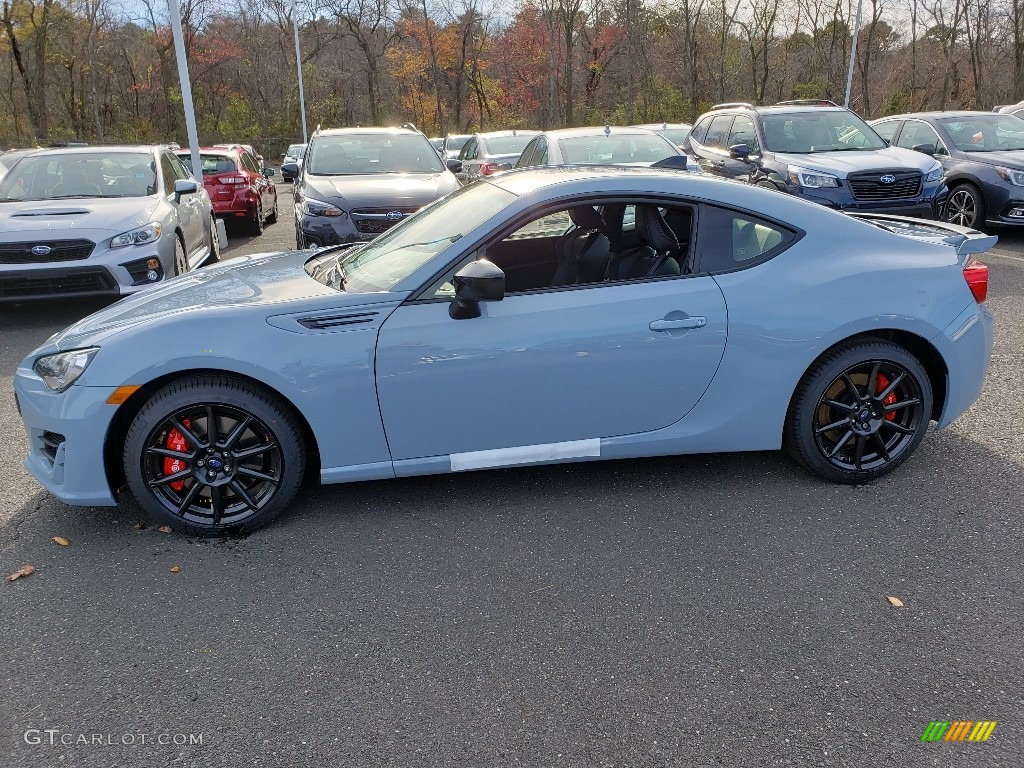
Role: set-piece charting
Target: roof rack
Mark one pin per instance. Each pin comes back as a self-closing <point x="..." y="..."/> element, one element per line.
<point x="808" y="103"/>
<point x="732" y="104"/>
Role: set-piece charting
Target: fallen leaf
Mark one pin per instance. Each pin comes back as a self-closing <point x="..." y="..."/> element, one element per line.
<point x="175" y="569"/>
<point x="165" y="529"/>
<point x="60" y="540"/>
<point x="25" y="570"/>
<point x="139" y="526"/>
<point x="894" y="601"/>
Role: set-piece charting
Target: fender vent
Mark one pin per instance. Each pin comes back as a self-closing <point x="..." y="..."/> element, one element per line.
<point x="337" y="321"/>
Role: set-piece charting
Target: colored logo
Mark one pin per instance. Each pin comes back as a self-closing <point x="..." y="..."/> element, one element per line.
<point x="41" y="250"/>
<point x="958" y="730"/>
<point x="888" y="179"/>
<point x="394" y="215"/>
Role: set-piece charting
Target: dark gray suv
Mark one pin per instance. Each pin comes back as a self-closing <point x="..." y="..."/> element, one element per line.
<point x="818" y="151"/>
<point x="355" y="183"/>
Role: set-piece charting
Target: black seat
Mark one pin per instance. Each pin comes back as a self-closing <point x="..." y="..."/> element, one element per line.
<point x="655" y="257"/>
<point x="583" y="252"/>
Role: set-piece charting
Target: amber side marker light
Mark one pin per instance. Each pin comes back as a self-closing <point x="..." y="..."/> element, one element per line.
<point x="121" y="394"/>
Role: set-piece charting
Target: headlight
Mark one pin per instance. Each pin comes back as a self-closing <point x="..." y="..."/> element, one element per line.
<point x="1011" y="175"/>
<point x="61" y="370"/>
<point x="812" y="179"/>
<point x="147" y="234"/>
<point x="934" y="174"/>
<point x="311" y="207"/>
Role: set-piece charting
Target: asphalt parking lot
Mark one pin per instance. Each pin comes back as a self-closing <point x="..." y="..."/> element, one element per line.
<point x="723" y="610"/>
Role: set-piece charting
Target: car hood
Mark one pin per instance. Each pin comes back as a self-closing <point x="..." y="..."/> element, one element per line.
<point x="843" y="163"/>
<point x="250" y="282"/>
<point x="1014" y="158"/>
<point x="381" y="190"/>
<point x="94" y="218"/>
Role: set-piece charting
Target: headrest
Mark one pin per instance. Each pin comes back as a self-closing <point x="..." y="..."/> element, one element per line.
<point x="653" y="229"/>
<point x="586" y="217"/>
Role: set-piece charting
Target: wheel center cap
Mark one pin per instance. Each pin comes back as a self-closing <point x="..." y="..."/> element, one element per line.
<point x="215" y="464"/>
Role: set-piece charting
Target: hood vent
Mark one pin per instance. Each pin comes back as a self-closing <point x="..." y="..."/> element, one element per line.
<point x="337" y="321"/>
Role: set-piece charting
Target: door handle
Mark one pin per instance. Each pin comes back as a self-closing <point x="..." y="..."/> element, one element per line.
<point x="683" y="322"/>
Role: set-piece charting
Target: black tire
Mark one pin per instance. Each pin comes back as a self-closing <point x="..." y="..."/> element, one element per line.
<point x="256" y="224"/>
<point x="241" y="479"/>
<point x="272" y="218"/>
<point x="767" y="185"/>
<point x="214" y="256"/>
<point x="853" y="438"/>
<point x="180" y="260"/>
<point x="965" y="206"/>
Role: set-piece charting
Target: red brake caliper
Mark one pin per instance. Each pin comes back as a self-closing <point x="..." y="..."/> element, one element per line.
<point x="177" y="442"/>
<point x="880" y="386"/>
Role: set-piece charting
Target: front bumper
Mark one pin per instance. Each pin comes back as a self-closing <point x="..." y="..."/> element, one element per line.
<point x="927" y="205"/>
<point x="66" y="432"/>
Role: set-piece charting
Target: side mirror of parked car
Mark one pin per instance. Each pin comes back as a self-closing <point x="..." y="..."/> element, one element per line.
<point x="928" y="149"/>
<point x="454" y="165"/>
<point x="478" y="281"/>
<point x="269" y="172"/>
<point x="503" y="167"/>
<point x="184" y="187"/>
<point x="740" y="152"/>
<point x="675" y="162"/>
<point x="291" y="169"/>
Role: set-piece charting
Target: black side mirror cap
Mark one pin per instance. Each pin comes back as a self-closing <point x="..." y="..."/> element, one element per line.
<point x="927" y="149"/>
<point x="478" y="281"/>
<point x="675" y="162"/>
<point x="454" y="164"/>
<point x="739" y="152"/>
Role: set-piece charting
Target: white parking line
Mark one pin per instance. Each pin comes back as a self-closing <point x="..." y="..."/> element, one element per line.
<point x="998" y="255"/>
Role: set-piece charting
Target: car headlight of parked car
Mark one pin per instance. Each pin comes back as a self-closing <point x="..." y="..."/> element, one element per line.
<point x="61" y="370"/>
<point x="311" y="207"/>
<point x="805" y="178"/>
<point x="1012" y="175"/>
<point x="934" y="174"/>
<point x="147" y="234"/>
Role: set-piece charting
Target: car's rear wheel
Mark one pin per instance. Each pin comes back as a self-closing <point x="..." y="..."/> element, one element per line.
<point x="965" y="206"/>
<point x="180" y="260"/>
<point x="859" y="412"/>
<point x="257" y="222"/>
<point x="214" y="256"/>
<point x="272" y="218"/>
<point x="213" y="454"/>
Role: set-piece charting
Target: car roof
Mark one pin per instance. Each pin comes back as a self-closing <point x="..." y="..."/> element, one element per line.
<point x="98" y="148"/>
<point x="597" y="130"/>
<point x="369" y="131"/>
<point x="935" y="114"/>
<point x="661" y="126"/>
<point x="499" y="134"/>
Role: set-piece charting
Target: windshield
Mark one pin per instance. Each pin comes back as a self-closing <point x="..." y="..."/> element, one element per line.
<point x="296" y="150"/>
<point x="395" y="255"/>
<point x="357" y="154"/>
<point x="676" y="135"/>
<point x="81" y="174"/>
<point x="455" y="143"/>
<point x="211" y="163"/>
<point x="824" y="131"/>
<point x="985" y="133"/>
<point x="507" y="145"/>
<point x="616" y="149"/>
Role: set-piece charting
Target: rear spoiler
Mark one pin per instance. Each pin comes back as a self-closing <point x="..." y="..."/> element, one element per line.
<point x="966" y="241"/>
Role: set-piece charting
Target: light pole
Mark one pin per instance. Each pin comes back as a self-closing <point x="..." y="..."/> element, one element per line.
<point x="186" y="89"/>
<point x="853" y="55"/>
<point x="298" y="65"/>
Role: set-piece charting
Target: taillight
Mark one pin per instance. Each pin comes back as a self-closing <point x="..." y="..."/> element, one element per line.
<point x="488" y="168"/>
<point x="230" y="180"/>
<point x="976" y="275"/>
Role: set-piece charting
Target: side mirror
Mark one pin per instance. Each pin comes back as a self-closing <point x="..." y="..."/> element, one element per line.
<point x="740" y="152"/>
<point x="675" y="162"/>
<point x="292" y="169"/>
<point x="503" y="167"/>
<point x="184" y="187"/>
<point x="269" y="172"/>
<point x="928" y="149"/>
<point x="477" y="281"/>
<point x="454" y="164"/>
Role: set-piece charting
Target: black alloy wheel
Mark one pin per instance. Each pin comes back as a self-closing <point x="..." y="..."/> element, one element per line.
<point x="965" y="207"/>
<point x="214" y="256"/>
<point x="860" y="412"/>
<point x="213" y="454"/>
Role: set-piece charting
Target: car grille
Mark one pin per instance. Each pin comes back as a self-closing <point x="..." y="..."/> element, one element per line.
<point x="374" y="220"/>
<point x="52" y="282"/>
<point x="60" y="250"/>
<point x="866" y="186"/>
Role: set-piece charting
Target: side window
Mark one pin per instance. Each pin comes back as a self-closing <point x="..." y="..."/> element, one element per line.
<point x="743" y="133"/>
<point x="915" y="133"/>
<point x="526" y="159"/>
<point x="701" y="130"/>
<point x="718" y="132"/>
<point x="729" y="240"/>
<point x="541" y="155"/>
<point x="887" y="129"/>
<point x="469" y="151"/>
<point x="168" y="172"/>
<point x="179" y="168"/>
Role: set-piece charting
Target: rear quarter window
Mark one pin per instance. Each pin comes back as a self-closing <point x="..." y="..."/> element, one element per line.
<point x="729" y="240"/>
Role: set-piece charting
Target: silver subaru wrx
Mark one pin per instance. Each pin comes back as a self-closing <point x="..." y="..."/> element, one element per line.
<point x="100" y="221"/>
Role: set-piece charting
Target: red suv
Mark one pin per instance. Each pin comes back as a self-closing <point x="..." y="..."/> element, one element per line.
<point x="238" y="189"/>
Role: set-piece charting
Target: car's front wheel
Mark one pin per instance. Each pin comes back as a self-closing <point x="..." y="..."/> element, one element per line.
<point x="180" y="260"/>
<point x="213" y="454"/>
<point x="966" y="206"/>
<point x="257" y="223"/>
<point x="859" y="412"/>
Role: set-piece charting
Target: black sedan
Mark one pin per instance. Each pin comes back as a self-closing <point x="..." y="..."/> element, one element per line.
<point x="982" y="155"/>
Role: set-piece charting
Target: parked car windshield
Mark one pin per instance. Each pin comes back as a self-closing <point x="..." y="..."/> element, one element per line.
<point x="675" y="135"/>
<point x="507" y="145"/>
<point x="372" y="153"/>
<point x="296" y="150"/>
<point x="985" y="133"/>
<point x="399" y="252"/>
<point x="456" y="143"/>
<point x="824" y="131"/>
<point x="81" y="174"/>
<point x="616" y="149"/>
<point x="212" y="164"/>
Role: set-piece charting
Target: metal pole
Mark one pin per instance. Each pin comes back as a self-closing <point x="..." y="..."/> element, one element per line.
<point x="298" y="65"/>
<point x="186" y="89"/>
<point x="853" y="55"/>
